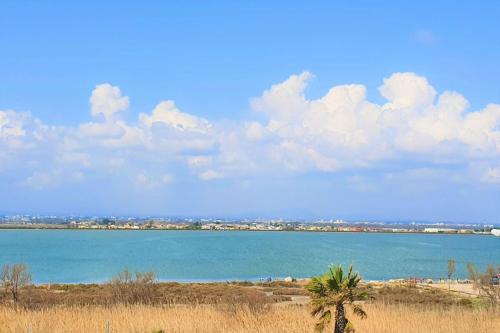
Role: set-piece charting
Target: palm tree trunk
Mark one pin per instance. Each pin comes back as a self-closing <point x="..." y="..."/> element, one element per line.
<point x="340" y="319"/>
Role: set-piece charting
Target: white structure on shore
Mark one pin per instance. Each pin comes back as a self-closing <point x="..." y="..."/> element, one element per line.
<point x="495" y="232"/>
<point x="436" y="230"/>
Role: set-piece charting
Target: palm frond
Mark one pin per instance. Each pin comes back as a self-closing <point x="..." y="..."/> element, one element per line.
<point x="358" y="311"/>
<point x="323" y="321"/>
<point x="338" y="274"/>
<point x="318" y="306"/>
<point x="362" y="295"/>
<point x="326" y="317"/>
<point x="317" y="285"/>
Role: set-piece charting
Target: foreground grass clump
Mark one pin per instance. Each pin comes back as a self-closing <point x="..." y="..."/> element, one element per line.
<point x="212" y="319"/>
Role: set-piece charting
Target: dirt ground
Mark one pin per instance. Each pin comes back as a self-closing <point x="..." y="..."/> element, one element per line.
<point x="465" y="289"/>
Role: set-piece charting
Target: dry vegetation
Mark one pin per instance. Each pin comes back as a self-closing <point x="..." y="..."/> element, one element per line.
<point x="38" y="297"/>
<point x="137" y="304"/>
<point x="230" y="307"/>
<point x="210" y="319"/>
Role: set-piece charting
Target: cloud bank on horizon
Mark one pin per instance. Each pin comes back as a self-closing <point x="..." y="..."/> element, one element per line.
<point x="425" y="133"/>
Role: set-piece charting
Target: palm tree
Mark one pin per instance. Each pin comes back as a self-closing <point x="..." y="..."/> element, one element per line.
<point x="333" y="291"/>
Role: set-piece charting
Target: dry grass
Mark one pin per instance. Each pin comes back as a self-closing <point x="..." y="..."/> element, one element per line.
<point x="43" y="296"/>
<point x="410" y="319"/>
<point x="160" y="294"/>
<point x="210" y="319"/>
<point x="234" y="308"/>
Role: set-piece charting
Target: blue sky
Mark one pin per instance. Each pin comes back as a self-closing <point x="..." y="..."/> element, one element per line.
<point x="244" y="122"/>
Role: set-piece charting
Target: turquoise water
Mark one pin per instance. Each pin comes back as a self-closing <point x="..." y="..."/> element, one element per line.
<point x="94" y="256"/>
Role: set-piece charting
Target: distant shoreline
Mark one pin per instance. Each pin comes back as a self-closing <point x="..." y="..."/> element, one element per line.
<point x="380" y="231"/>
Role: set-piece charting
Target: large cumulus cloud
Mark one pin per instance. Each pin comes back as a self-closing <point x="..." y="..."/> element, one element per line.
<point x="341" y="130"/>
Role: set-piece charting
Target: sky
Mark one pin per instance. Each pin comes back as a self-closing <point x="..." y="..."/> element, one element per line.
<point x="377" y="110"/>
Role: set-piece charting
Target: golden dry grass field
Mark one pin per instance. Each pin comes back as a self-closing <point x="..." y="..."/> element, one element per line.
<point x="234" y="308"/>
<point x="211" y="319"/>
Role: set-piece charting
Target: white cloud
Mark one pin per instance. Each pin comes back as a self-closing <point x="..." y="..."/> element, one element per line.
<point x="343" y="129"/>
<point x="76" y="158"/>
<point x="210" y="175"/>
<point x="284" y="101"/>
<point x="167" y="113"/>
<point x="340" y="130"/>
<point x="254" y="131"/>
<point x="102" y="130"/>
<point x="107" y="100"/>
<point x="491" y="175"/>
<point x="19" y="130"/>
<point x="41" y="180"/>
<point x="143" y="179"/>
<point x="199" y="161"/>
<point x="11" y="125"/>
<point x="407" y="90"/>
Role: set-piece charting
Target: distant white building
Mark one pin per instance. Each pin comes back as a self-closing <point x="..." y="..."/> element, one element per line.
<point x="495" y="232"/>
<point x="437" y="230"/>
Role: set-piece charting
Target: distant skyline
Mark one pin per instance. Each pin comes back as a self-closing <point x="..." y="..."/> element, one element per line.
<point x="378" y="110"/>
<point x="57" y="220"/>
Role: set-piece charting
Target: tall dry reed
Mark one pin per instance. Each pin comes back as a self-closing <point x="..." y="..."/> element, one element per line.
<point x="210" y="319"/>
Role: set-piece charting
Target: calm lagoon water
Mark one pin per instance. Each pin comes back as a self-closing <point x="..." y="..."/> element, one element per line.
<point x="73" y="256"/>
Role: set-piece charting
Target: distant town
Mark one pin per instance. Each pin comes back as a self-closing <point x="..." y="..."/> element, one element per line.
<point x="163" y="223"/>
